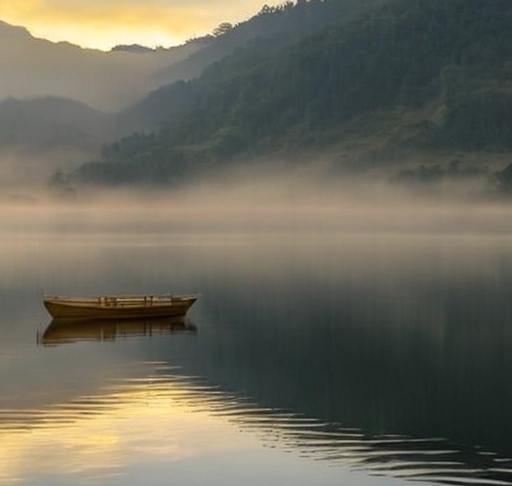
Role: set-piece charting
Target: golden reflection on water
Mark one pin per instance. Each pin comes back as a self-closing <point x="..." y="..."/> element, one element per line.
<point x="141" y="421"/>
<point x="165" y="418"/>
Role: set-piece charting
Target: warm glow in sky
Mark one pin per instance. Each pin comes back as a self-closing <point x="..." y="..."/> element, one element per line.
<point x="103" y="24"/>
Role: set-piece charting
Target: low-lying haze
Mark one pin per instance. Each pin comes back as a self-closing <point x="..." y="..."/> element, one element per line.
<point x="307" y="202"/>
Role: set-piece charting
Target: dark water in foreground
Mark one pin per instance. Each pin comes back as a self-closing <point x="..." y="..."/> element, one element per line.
<point x="336" y="359"/>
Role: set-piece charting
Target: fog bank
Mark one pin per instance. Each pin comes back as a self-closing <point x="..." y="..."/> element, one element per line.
<point x="278" y="201"/>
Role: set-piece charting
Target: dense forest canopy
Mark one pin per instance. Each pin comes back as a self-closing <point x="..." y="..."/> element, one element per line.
<point x="438" y="71"/>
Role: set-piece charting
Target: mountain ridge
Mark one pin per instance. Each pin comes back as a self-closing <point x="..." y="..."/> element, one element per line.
<point x="34" y="67"/>
<point x="41" y="69"/>
<point x="426" y="76"/>
<point x="384" y="84"/>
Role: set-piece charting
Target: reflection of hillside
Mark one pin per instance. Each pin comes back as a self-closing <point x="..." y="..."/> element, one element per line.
<point x="62" y="331"/>
<point x="415" y="360"/>
<point x="384" y="365"/>
<point x="379" y="397"/>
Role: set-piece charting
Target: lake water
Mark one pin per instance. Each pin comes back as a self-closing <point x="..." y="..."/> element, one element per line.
<point x="312" y="356"/>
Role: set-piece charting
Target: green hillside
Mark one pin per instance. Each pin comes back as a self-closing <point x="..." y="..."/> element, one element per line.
<point x="271" y="29"/>
<point x="424" y="75"/>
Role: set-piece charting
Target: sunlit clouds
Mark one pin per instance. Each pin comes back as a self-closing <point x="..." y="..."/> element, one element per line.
<point x="102" y="25"/>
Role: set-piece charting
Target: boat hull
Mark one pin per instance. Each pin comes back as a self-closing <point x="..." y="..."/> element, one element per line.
<point x="118" y="308"/>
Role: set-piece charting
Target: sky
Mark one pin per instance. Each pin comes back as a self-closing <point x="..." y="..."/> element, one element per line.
<point x="102" y="24"/>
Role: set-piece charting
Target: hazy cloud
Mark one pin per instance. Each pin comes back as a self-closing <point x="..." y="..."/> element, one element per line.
<point x="101" y="24"/>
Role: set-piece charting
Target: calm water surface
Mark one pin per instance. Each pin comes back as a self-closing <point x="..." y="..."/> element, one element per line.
<point x="310" y="358"/>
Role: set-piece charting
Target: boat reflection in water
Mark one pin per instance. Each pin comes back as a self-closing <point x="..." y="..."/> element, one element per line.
<point x="65" y="331"/>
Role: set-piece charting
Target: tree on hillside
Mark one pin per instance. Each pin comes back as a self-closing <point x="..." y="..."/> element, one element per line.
<point x="222" y="29"/>
<point x="59" y="187"/>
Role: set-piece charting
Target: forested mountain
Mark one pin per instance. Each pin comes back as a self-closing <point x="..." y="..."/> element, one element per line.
<point x="286" y="23"/>
<point x="269" y="31"/>
<point x="428" y="74"/>
<point x="45" y="86"/>
<point x="33" y="67"/>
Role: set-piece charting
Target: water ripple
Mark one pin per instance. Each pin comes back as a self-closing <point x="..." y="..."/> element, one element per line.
<point x="432" y="460"/>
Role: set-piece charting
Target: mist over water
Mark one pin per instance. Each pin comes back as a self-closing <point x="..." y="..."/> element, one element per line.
<point x="339" y="329"/>
<point x="305" y="199"/>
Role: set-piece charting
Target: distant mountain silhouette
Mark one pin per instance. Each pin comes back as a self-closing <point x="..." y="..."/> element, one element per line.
<point x="13" y="31"/>
<point x="109" y="81"/>
<point x="132" y="48"/>
<point x="51" y="122"/>
<point x="39" y="135"/>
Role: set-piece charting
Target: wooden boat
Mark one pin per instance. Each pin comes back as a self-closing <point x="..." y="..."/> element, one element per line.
<point x="66" y="331"/>
<point x="119" y="307"/>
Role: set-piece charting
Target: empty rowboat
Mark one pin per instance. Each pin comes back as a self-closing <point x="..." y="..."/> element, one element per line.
<point x="119" y="307"/>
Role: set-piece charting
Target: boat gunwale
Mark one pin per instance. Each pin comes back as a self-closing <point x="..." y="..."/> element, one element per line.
<point x="120" y="306"/>
<point x="101" y="301"/>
